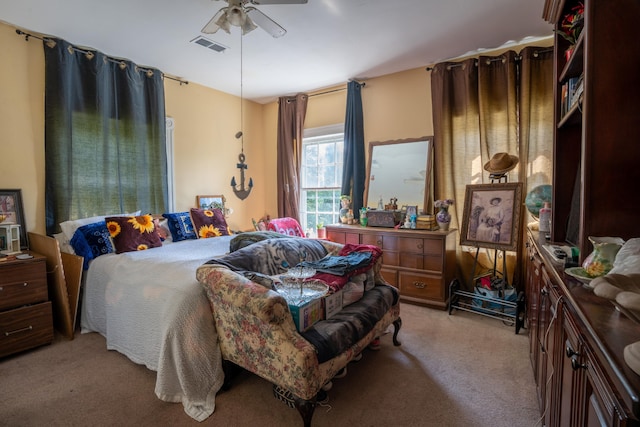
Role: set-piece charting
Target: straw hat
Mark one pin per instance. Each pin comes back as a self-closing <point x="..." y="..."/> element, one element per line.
<point x="501" y="163"/>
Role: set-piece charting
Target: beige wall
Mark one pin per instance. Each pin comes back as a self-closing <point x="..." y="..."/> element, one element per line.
<point x="205" y="149"/>
<point x="22" y="122"/>
<point x="395" y="106"/>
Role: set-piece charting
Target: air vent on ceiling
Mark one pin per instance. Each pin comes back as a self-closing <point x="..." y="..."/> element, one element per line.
<point x="203" y="41"/>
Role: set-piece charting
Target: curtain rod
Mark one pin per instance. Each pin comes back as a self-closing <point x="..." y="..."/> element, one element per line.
<point x="498" y="58"/>
<point x="336" y="90"/>
<point x="112" y="59"/>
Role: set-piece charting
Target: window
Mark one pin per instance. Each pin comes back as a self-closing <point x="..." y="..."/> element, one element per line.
<point x="321" y="176"/>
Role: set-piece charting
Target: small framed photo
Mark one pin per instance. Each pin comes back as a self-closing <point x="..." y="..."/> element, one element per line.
<point x="211" y="202"/>
<point x="412" y="210"/>
<point x="491" y="216"/>
<point x="11" y="212"/>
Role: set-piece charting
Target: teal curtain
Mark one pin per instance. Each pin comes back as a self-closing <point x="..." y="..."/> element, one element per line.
<point x="353" y="172"/>
<point x="104" y="135"/>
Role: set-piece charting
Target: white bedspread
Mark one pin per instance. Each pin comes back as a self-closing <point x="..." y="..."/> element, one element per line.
<point x="150" y="307"/>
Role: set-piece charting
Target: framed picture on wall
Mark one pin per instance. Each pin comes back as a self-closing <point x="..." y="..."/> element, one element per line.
<point x="211" y="202"/>
<point x="11" y="212"/>
<point x="491" y="216"/>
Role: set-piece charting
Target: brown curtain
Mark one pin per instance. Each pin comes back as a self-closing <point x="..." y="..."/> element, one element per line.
<point x="291" y="113"/>
<point x="482" y="107"/>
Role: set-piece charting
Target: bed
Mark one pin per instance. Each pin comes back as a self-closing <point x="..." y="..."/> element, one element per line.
<point x="150" y="307"/>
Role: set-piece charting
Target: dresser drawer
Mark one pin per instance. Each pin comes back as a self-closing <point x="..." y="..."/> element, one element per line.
<point x="23" y="283"/>
<point x="25" y="327"/>
<point x="341" y="237"/>
<point x="381" y="241"/>
<point x="390" y="258"/>
<point x="423" y="286"/>
<point x="421" y="246"/>
<point x="421" y="262"/>
<point x="391" y="276"/>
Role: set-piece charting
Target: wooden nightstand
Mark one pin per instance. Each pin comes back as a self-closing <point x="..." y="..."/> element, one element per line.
<point x="25" y="310"/>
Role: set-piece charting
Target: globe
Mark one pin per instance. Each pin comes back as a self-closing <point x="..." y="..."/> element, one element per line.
<point x="536" y="198"/>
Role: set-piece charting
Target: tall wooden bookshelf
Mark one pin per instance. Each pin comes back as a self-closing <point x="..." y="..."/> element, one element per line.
<point x="597" y="140"/>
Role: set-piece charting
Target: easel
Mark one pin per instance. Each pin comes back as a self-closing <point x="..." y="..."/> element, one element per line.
<point x="495" y="179"/>
<point x="509" y="311"/>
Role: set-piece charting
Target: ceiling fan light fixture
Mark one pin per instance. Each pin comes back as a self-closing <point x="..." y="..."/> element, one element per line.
<point x="248" y="26"/>
<point x="223" y="23"/>
<point x="235" y="16"/>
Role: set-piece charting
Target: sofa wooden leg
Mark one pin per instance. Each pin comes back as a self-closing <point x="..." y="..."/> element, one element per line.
<point x="306" y="408"/>
<point x="230" y="370"/>
<point x="396" y="328"/>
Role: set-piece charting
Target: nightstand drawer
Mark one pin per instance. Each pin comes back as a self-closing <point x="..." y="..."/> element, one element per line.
<point x="24" y="283"/>
<point x="25" y="327"/>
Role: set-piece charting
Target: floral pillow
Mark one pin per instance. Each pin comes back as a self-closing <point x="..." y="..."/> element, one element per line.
<point x="90" y="241"/>
<point x="133" y="233"/>
<point x="209" y="223"/>
<point x="180" y="226"/>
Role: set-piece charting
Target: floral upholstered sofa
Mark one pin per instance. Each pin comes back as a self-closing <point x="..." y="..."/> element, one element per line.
<point x="256" y="330"/>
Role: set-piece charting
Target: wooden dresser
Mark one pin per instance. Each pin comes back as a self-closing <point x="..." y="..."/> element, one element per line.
<point x="25" y="310"/>
<point x="420" y="263"/>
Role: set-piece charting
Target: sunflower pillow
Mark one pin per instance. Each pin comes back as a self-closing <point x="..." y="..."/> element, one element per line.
<point x="209" y="223"/>
<point x="133" y="233"/>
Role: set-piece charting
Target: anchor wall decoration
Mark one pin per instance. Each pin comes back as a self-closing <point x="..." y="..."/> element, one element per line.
<point x="242" y="192"/>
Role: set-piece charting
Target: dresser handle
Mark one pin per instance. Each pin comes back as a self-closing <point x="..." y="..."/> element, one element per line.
<point x="18" y="330"/>
<point x="420" y="246"/>
<point x="419" y="285"/>
<point x="379" y="243"/>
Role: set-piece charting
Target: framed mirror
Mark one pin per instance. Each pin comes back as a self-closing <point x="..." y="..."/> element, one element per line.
<point x="399" y="169"/>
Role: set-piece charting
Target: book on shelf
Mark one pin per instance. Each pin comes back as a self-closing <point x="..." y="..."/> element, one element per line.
<point x="571" y="91"/>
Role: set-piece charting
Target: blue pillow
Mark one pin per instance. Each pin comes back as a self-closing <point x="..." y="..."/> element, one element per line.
<point x="180" y="226"/>
<point x="91" y="240"/>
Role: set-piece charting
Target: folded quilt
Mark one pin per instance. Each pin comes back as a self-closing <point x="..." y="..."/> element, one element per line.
<point x="245" y="239"/>
<point x="340" y="265"/>
<point x="335" y="335"/>
<point x="272" y="256"/>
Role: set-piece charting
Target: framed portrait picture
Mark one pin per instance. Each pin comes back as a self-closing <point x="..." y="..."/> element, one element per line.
<point x="11" y="212"/>
<point x="491" y="216"/>
<point x="211" y="202"/>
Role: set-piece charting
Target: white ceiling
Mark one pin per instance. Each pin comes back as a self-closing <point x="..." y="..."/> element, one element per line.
<point x="327" y="43"/>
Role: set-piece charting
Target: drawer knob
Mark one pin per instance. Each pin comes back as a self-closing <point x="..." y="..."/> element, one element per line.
<point x="28" y="328"/>
<point x="570" y="351"/>
<point x="419" y="285"/>
<point x="420" y="246"/>
<point x="575" y="365"/>
<point x="379" y="243"/>
<point x="25" y="284"/>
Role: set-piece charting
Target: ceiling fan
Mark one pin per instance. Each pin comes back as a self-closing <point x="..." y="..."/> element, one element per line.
<point x="248" y="18"/>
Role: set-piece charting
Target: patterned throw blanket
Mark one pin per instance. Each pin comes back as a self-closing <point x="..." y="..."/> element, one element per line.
<point x="275" y="256"/>
<point x="271" y="257"/>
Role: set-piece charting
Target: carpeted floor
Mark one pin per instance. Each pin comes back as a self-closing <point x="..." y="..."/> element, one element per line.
<point x="451" y="370"/>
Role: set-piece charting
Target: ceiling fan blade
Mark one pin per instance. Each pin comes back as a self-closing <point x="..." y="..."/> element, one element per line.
<point x="266" y="23"/>
<point x="213" y="26"/>
<point x="279" y="1"/>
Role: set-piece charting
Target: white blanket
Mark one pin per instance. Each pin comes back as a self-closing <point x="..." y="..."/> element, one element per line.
<point x="150" y="307"/>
